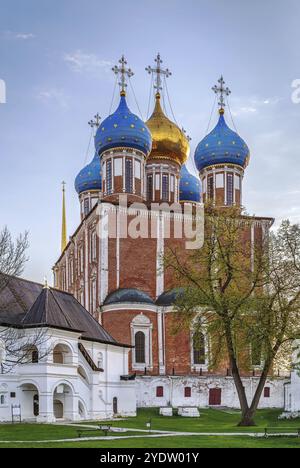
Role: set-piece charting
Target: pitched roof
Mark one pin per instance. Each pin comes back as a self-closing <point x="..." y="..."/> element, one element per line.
<point x="16" y="297"/>
<point x="32" y="305"/>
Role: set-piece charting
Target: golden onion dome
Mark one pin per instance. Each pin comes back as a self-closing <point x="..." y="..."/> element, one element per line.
<point x="168" y="141"/>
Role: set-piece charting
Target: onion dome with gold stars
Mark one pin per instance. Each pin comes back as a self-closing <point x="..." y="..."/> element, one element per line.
<point x="123" y="129"/>
<point x="89" y="178"/>
<point x="221" y="146"/>
<point x="189" y="187"/>
<point x="168" y="141"/>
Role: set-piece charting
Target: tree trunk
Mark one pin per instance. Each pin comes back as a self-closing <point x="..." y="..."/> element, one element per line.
<point x="247" y="417"/>
<point x="235" y="372"/>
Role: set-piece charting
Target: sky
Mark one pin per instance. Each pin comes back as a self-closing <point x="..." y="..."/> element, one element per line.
<point x="56" y="58"/>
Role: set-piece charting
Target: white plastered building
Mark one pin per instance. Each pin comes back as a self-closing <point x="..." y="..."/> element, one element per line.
<point x="72" y="370"/>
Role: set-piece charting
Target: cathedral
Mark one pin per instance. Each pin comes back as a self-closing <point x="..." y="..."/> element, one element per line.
<point x="109" y="319"/>
<point x="119" y="278"/>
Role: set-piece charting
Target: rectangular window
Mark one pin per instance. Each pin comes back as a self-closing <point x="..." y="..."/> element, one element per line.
<point x="210" y="188"/>
<point x="159" y="392"/>
<point x="108" y="177"/>
<point x="187" y="392"/>
<point x="93" y="246"/>
<point x="229" y="189"/>
<point x="81" y="260"/>
<point x="267" y="392"/>
<point x="219" y="181"/>
<point x="13" y="395"/>
<point x="118" y="166"/>
<point x="172" y="183"/>
<point x="165" y="188"/>
<point x="137" y="169"/>
<point x="128" y="176"/>
<point x="150" y="187"/>
<point x="86" y="206"/>
<point x="72" y="270"/>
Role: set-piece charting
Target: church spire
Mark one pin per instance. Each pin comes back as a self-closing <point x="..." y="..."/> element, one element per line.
<point x="64" y="223"/>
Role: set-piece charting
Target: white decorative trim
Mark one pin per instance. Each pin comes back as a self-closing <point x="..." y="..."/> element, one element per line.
<point x="141" y="323"/>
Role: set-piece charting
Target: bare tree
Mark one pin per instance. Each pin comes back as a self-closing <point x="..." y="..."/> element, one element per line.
<point x="249" y="296"/>
<point x="12" y="256"/>
<point x="17" y="345"/>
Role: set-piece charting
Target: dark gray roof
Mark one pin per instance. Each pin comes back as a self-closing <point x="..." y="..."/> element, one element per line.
<point x="27" y="304"/>
<point x="168" y="298"/>
<point x="16" y="298"/>
<point x="128" y="295"/>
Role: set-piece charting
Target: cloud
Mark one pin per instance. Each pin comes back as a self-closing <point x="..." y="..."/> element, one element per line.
<point x="82" y="62"/>
<point x="19" y="35"/>
<point x="253" y="104"/>
<point x="53" y="95"/>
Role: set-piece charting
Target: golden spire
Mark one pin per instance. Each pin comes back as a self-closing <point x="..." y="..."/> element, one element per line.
<point x="64" y="223"/>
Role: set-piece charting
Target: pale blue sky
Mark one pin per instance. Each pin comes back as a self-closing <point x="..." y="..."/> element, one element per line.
<point x="56" y="56"/>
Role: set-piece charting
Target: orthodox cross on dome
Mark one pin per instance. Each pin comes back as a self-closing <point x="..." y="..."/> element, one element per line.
<point x="123" y="73"/>
<point x="222" y="91"/>
<point x="95" y="122"/>
<point x="158" y="71"/>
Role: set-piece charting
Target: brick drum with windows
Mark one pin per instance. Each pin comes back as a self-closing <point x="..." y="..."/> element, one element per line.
<point x="120" y="279"/>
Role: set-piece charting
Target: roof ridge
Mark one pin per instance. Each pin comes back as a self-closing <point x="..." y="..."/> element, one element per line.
<point x="90" y="315"/>
<point x="59" y="306"/>
<point x="17" y="297"/>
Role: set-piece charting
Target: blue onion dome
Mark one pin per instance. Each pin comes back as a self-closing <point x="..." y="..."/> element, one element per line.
<point x="221" y="146"/>
<point x="123" y="129"/>
<point x="89" y="178"/>
<point x="189" y="187"/>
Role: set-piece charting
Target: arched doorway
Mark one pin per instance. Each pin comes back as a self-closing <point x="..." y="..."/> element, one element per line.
<point x="29" y="402"/>
<point x="63" y="404"/>
<point x="115" y="405"/>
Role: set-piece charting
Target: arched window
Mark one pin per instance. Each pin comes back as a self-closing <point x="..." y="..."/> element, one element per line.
<point x="141" y="339"/>
<point x="62" y="354"/>
<point x="140" y="347"/>
<point x="199" y="349"/>
<point x="32" y="354"/>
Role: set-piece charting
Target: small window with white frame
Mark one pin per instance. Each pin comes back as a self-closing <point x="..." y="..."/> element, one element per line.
<point x="141" y="337"/>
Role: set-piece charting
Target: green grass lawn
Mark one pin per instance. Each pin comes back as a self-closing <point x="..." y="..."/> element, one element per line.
<point x="210" y="421"/>
<point x="172" y="442"/>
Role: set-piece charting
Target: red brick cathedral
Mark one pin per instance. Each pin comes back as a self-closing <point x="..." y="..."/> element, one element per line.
<point x="119" y="279"/>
